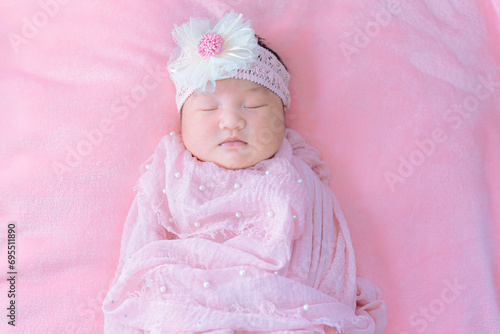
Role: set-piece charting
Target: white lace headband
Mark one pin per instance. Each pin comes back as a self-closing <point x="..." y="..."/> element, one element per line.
<point x="228" y="50"/>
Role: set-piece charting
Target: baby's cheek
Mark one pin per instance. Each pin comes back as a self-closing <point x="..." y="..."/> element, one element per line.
<point x="271" y="134"/>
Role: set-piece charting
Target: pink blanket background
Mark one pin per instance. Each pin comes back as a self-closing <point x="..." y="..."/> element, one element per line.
<point x="401" y="98"/>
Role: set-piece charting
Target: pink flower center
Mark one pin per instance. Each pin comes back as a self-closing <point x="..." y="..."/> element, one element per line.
<point x="210" y="44"/>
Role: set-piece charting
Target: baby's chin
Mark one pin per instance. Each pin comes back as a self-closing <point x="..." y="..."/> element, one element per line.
<point x="231" y="164"/>
<point x="234" y="159"/>
<point x="234" y="165"/>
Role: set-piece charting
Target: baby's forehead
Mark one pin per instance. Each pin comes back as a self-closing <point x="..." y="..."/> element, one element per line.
<point x="234" y="87"/>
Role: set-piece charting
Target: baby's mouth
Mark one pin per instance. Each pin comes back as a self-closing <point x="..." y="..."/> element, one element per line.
<point x="232" y="142"/>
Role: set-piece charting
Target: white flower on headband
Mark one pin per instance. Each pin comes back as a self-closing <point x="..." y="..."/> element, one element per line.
<point x="209" y="54"/>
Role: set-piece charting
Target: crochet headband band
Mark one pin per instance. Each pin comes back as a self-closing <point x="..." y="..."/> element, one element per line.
<point x="228" y="50"/>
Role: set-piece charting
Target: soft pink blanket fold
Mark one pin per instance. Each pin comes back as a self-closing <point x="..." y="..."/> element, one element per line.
<point x="267" y="249"/>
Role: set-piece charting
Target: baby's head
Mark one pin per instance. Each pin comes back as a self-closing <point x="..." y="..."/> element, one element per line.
<point x="232" y="92"/>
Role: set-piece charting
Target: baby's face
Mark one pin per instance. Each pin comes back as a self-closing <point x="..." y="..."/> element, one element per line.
<point x="238" y="108"/>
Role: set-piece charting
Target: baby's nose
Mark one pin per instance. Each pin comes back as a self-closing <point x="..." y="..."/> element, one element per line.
<point x="231" y="118"/>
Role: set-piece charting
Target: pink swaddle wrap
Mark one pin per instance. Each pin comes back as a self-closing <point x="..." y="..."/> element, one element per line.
<point x="261" y="249"/>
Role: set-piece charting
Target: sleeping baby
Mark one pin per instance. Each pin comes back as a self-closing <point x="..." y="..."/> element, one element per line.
<point x="234" y="227"/>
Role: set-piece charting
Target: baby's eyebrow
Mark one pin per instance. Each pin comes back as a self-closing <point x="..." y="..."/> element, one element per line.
<point x="256" y="88"/>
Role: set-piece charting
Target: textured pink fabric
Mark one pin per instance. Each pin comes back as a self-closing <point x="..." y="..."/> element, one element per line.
<point x="430" y="242"/>
<point x="264" y="248"/>
<point x="210" y="44"/>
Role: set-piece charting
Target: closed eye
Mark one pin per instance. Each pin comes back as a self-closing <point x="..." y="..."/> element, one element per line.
<point x="255" y="107"/>
<point x="209" y="109"/>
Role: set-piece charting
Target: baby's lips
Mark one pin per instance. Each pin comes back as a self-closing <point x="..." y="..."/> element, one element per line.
<point x="232" y="139"/>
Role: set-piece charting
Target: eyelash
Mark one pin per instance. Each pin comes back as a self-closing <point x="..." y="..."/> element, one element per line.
<point x="246" y="107"/>
<point x="256" y="107"/>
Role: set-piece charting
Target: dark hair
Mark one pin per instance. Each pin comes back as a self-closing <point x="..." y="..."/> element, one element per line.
<point x="261" y="41"/>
